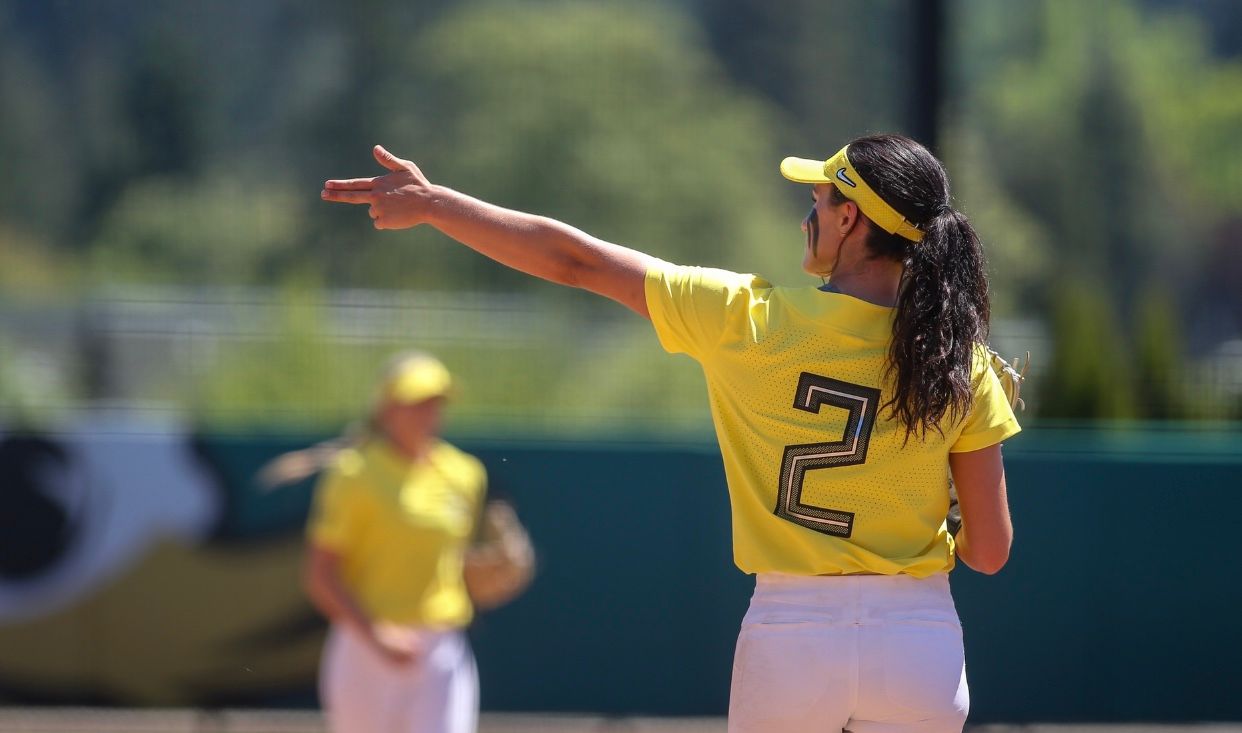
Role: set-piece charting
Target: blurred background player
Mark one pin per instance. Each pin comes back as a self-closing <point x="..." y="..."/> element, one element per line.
<point x="394" y="514"/>
<point x="841" y="412"/>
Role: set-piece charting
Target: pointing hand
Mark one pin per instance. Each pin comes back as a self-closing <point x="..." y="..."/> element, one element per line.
<point x="399" y="199"/>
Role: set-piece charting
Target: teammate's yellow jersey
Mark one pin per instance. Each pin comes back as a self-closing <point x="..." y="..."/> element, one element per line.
<point x="401" y="530"/>
<point x="821" y="480"/>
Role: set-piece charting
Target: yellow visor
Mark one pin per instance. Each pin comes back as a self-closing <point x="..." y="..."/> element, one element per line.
<point x="838" y="171"/>
<point x="417" y="379"/>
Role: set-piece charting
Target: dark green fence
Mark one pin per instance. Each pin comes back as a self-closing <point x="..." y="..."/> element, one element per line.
<point x="1120" y="603"/>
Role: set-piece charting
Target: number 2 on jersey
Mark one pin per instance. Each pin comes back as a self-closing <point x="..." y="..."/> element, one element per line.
<point x="814" y="392"/>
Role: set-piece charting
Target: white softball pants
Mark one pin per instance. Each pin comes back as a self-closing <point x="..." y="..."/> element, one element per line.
<point x="866" y="654"/>
<point x="363" y="692"/>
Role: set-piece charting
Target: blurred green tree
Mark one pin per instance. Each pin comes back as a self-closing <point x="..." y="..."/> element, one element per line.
<point x="1092" y="142"/>
<point x="1160" y="379"/>
<point x="1107" y="134"/>
<point x="270" y="383"/>
<point x="201" y="232"/>
<point x="32" y="269"/>
<point x="1090" y="375"/>
<point x="839" y="69"/>
<point x="611" y="116"/>
<point x="40" y="189"/>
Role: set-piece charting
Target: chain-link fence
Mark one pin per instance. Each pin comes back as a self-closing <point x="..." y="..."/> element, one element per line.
<point x="253" y="358"/>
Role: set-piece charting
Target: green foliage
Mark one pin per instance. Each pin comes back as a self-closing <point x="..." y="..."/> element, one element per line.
<point x="199" y="232"/>
<point x="1014" y="239"/>
<point x="32" y="390"/>
<point x="1100" y="371"/>
<point x="838" y="69"/>
<point x="1075" y="172"/>
<point x="41" y="185"/>
<point x="1096" y="143"/>
<point x="610" y="116"/>
<point x="621" y="368"/>
<point x="32" y="269"/>
<point x="1108" y="138"/>
<point x="1090" y="142"/>
<point x="300" y="377"/>
<point x="1090" y="375"/>
<point x="559" y="371"/>
<point x="1158" y="353"/>
<point x="1191" y="115"/>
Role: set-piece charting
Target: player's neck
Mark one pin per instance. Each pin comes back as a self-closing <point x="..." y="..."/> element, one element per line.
<point x="871" y="280"/>
<point x="411" y="448"/>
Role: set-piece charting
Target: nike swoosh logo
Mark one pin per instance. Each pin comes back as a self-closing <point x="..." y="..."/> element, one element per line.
<point x="845" y="179"/>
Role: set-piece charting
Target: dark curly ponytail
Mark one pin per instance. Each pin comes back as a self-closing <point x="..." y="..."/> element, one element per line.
<point x="942" y="306"/>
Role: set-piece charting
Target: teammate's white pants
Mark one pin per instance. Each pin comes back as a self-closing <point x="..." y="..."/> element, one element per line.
<point x="866" y="653"/>
<point x="364" y="693"/>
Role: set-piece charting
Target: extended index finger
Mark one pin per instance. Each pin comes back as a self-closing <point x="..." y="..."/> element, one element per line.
<point x="346" y="197"/>
<point x="350" y="184"/>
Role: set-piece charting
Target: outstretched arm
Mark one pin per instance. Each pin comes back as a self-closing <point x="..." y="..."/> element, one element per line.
<point x="536" y="245"/>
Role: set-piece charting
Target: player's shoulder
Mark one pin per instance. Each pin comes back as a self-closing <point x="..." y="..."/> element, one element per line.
<point x="458" y="462"/>
<point x="980" y="358"/>
<point x="708" y="278"/>
<point x="345" y="475"/>
<point x="349" y="462"/>
<point x="986" y="365"/>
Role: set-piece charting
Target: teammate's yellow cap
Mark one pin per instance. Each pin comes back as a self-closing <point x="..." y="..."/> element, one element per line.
<point x="838" y="171"/>
<point x="416" y="378"/>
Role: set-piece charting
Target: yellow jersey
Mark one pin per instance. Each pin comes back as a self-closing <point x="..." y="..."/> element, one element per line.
<point x="401" y="530"/>
<point x="821" y="480"/>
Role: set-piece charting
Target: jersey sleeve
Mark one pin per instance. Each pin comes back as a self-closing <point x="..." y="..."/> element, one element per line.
<point x="991" y="419"/>
<point x="336" y="521"/>
<point x="691" y="307"/>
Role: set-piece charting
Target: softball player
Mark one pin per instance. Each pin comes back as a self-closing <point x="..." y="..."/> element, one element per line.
<point x="841" y="411"/>
<point x="392" y="518"/>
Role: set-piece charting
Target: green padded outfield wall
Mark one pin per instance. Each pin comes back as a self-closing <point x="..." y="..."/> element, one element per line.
<point x="1122" y="600"/>
<point x="1120" y="603"/>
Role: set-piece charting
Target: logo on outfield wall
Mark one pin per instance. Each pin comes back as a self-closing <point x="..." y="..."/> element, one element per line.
<point x="143" y="569"/>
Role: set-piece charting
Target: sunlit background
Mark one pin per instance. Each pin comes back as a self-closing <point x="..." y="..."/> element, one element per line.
<point x="177" y="305"/>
